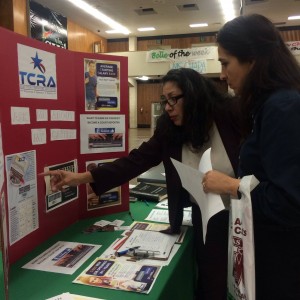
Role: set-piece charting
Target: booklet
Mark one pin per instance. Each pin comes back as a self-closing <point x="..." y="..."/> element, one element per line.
<point x="149" y="191"/>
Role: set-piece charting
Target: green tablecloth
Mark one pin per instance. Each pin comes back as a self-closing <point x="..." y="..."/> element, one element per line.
<point x="175" y="282"/>
<point x="2" y="287"/>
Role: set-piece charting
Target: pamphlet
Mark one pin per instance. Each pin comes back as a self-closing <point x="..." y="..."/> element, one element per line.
<point x="62" y="257"/>
<point x="113" y="274"/>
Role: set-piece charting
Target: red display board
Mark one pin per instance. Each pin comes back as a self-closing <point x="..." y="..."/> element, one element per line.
<point x="61" y="94"/>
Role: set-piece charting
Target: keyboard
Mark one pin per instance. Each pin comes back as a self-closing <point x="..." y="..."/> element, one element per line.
<point x="107" y="143"/>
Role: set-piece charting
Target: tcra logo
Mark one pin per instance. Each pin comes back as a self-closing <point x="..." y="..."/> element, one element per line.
<point x="35" y="79"/>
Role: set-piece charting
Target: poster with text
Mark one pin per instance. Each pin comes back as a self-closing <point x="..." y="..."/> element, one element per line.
<point x="109" y="198"/>
<point x="102" y="133"/>
<point x="48" y="26"/>
<point x="113" y="274"/>
<point x="102" y="85"/>
<point x="37" y="73"/>
<point x="22" y="194"/>
<point x="69" y="193"/>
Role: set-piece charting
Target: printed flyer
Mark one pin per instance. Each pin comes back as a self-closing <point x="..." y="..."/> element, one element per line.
<point x="62" y="257"/>
<point x="109" y="198"/>
<point x="102" y="85"/>
<point x="69" y="193"/>
<point x="102" y="133"/>
<point x="22" y="194"/>
<point x="126" y="276"/>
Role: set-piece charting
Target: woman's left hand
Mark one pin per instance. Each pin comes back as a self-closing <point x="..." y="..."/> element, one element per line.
<point x="220" y="183"/>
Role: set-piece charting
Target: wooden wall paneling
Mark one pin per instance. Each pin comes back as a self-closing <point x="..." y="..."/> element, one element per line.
<point x="21" y="17"/>
<point x="6" y="14"/>
<point x="174" y="42"/>
<point x="143" y="45"/>
<point x="117" y="46"/>
<point x="82" y="40"/>
<point x="147" y="93"/>
<point x="290" y="35"/>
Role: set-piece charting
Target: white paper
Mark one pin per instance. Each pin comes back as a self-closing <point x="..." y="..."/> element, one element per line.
<point x="20" y="115"/>
<point x="162" y="216"/>
<point x="159" y="243"/>
<point x="164" y="205"/>
<point x="191" y="180"/>
<point x="62" y="115"/>
<point x="68" y="296"/>
<point x="37" y="73"/>
<point x="22" y="194"/>
<point x="63" y="134"/>
<point x="38" y="136"/>
<point x="63" y="257"/>
<point x="41" y="115"/>
<point x="101" y="133"/>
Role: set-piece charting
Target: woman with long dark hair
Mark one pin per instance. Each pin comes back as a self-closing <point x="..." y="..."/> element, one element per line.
<point x="196" y="116"/>
<point x="265" y="76"/>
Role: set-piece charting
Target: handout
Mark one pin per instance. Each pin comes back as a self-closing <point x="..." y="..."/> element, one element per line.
<point x="191" y="180"/>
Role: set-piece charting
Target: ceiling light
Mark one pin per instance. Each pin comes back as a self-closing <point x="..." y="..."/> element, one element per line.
<point x="228" y="10"/>
<point x="146" y="29"/>
<point x="99" y="15"/>
<point x="143" y="78"/>
<point x="293" y="17"/>
<point x="113" y="31"/>
<point x="198" y="25"/>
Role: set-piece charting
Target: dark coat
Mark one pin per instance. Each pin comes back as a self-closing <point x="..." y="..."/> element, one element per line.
<point x="272" y="153"/>
<point x="151" y="153"/>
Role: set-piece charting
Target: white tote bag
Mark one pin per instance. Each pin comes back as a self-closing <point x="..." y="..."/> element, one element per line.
<point x="241" y="266"/>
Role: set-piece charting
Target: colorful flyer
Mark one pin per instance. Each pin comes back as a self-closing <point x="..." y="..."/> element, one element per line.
<point x="62" y="257"/>
<point x="126" y="276"/>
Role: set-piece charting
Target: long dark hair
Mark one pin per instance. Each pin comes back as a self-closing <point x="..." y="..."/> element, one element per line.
<point x="253" y="38"/>
<point x="201" y="96"/>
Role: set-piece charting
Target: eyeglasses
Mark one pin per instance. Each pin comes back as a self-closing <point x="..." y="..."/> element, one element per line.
<point x="171" y="101"/>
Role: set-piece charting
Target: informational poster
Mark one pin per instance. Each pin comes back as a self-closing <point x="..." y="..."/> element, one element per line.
<point x="48" y="26"/>
<point x="37" y="73"/>
<point x="62" y="257"/>
<point x="109" y="198"/>
<point x="126" y="276"/>
<point x="69" y="193"/>
<point x="102" y="85"/>
<point x="22" y="194"/>
<point x="102" y="133"/>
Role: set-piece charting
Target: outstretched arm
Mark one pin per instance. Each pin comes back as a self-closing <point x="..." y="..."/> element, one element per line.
<point x="60" y="178"/>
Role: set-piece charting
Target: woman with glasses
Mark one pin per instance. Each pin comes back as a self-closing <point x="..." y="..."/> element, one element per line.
<point x="196" y="116"/>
